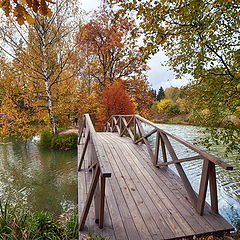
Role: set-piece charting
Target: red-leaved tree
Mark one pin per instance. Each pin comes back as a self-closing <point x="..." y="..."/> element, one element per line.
<point x="115" y="101"/>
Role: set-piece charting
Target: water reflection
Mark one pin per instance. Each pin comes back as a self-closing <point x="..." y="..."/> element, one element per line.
<point x="228" y="181"/>
<point x="41" y="179"/>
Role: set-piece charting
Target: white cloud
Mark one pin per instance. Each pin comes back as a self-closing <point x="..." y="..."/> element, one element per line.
<point x="163" y="76"/>
<point x="89" y="5"/>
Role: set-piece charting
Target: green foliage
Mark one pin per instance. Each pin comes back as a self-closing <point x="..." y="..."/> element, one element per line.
<point x="64" y="141"/>
<point x="46" y="139"/>
<point x="60" y="142"/>
<point x="201" y="38"/>
<point x="172" y="93"/>
<point x="173" y="109"/>
<point x="18" y="223"/>
<point x="43" y="226"/>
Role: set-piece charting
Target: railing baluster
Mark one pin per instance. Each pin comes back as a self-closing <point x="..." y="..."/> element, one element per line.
<point x="180" y="170"/>
<point x="145" y="141"/>
<point x="157" y="147"/>
<point x="213" y="187"/>
<point x="102" y="199"/>
<point x="89" y="199"/>
<point x="164" y="154"/>
<point x="84" y="151"/>
<point x="203" y="187"/>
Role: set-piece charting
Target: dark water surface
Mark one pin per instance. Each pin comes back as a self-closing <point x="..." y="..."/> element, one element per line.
<point x="43" y="180"/>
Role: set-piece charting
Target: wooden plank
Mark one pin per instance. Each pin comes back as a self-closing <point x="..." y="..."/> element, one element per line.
<point x="187" y="207"/>
<point x="152" y="216"/>
<point x="181" y="160"/>
<point x="131" y="205"/>
<point x="161" y="202"/>
<point x="128" y="174"/>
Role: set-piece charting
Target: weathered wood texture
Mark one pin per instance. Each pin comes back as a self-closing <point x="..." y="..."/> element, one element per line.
<point x="142" y="201"/>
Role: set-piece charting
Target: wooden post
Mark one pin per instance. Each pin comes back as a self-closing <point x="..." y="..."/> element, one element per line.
<point x="203" y="187"/>
<point x="213" y="187"/>
<point x="146" y="141"/>
<point x="89" y="199"/>
<point x="102" y="201"/>
<point x="134" y="128"/>
<point x="97" y="201"/>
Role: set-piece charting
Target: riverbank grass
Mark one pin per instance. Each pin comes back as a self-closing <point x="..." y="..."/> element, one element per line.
<point x="16" y="222"/>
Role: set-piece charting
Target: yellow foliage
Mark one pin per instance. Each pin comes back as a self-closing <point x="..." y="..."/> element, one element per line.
<point x="163" y="105"/>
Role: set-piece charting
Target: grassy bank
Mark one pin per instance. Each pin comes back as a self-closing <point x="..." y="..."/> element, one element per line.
<point x="18" y="223"/>
<point x="64" y="142"/>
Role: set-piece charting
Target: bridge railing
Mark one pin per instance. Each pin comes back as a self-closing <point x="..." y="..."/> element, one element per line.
<point x="99" y="167"/>
<point x="134" y="126"/>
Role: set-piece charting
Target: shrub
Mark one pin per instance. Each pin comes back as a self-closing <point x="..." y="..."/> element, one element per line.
<point x="163" y="105"/>
<point x="64" y="141"/>
<point x="46" y="139"/>
<point x="173" y="109"/>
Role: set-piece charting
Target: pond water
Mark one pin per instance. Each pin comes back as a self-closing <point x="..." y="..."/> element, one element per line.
<point x="47" y="179"/>
<point x="42" y="180"/>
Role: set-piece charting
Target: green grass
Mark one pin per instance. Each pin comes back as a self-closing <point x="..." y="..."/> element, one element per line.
<point x="18" y="223"/>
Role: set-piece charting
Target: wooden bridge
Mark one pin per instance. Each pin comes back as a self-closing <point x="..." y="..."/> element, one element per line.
<point x="127" y="191"/>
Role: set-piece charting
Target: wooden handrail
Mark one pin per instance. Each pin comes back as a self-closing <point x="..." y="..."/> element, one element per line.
<point x="128" y="125"/>
<point x="100" y="167"/>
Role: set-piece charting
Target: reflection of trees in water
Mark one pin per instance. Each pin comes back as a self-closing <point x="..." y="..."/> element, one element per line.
<point x="40" y="179"/>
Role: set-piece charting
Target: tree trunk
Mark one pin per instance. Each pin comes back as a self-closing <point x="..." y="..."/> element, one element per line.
<point x="50" y="109"/>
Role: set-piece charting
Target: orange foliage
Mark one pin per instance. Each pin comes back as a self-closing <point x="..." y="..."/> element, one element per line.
<point x="115" y="101"/>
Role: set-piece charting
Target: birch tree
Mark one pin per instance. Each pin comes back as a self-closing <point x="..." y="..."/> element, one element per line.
<point x="43" y="68"/>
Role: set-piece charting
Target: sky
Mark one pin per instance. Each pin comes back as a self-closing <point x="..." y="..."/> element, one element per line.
<point x="158" y="75"/>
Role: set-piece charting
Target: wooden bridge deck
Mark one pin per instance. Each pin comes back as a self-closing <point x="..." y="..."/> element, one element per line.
<point x="141" y="201"/>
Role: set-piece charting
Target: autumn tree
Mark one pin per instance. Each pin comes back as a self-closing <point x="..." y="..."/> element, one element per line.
<point x="201" y="38"/>
<point x="109" y="56"/>
<point x="115" y="101"/>
<point x="39" y="81"/>
<point x="172" y="93"/>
